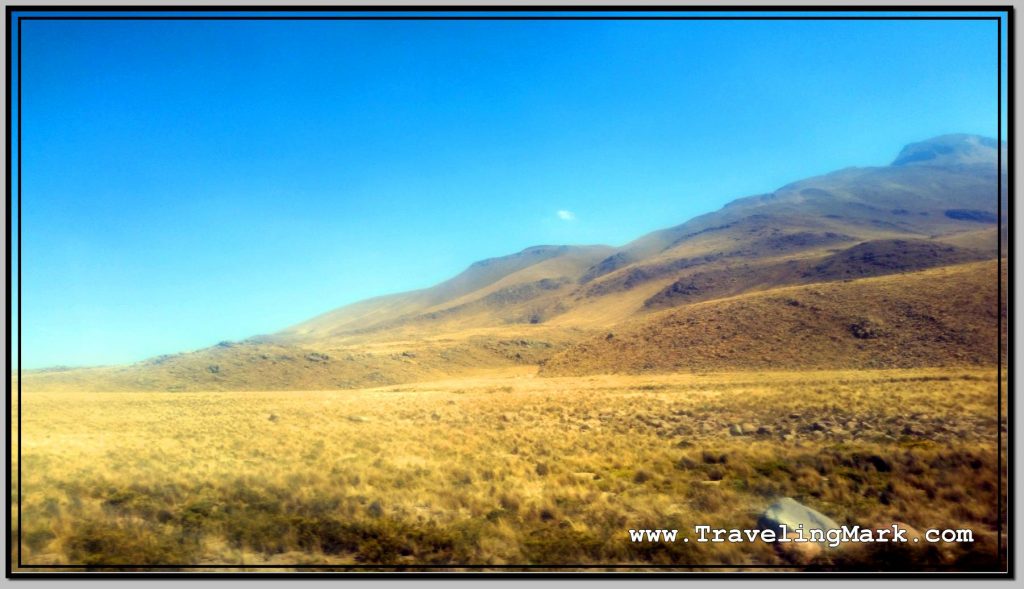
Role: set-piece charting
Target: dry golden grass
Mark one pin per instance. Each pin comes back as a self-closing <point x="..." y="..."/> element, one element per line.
<point x="508" y="469"/>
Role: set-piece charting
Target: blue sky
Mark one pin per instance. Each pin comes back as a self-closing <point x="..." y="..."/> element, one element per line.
<point x="187" y="182"/>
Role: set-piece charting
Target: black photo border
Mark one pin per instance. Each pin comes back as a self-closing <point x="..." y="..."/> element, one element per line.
<point x="611" y="12"/>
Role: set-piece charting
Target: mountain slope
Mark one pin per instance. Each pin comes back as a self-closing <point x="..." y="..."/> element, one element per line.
<point x="935" y="207"/>
<point x="946" y="316"/>
<point x="934" y="189"/>
<point x="916" y="198"/>
<point x="553" y="263"/>
<point x="869" y="258"/>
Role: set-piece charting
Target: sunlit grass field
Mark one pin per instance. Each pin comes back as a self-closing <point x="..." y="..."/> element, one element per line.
<point x="509" y="469"/>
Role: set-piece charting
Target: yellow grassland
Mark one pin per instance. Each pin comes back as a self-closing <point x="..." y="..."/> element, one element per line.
<point x="507" y="469"/>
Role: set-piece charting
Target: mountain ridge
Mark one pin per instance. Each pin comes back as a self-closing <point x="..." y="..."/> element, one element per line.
<point x="935" y="206"/>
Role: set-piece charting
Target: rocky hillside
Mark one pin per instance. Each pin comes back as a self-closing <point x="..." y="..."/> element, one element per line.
<point x="940" y="317"/>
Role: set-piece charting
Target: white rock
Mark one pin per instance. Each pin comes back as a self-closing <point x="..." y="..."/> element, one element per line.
<point x="793" y="514"/>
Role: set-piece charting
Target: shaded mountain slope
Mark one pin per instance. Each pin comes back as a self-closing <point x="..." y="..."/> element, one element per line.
<point x="943" y="316"/>
<point x="869" y="258"/>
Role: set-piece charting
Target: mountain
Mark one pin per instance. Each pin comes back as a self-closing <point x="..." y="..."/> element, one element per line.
<point x="504" y="283"/>
<point x="940" y="317"/>
<point x="900" y="237"/>
<point x="950" y="150"/>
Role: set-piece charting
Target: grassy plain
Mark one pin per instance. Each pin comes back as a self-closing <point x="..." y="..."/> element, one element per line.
<point x="508" y="469"/>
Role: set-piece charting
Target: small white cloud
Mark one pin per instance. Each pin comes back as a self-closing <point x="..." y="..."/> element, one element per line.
<point x="566" y="215"/>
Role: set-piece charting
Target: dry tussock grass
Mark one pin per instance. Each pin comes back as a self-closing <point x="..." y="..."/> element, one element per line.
<point x="506" y="470"/>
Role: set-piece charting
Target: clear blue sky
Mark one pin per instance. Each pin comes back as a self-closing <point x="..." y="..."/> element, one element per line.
<point x="188" y="182"/>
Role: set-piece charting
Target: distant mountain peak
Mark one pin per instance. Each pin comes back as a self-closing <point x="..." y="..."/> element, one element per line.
<point x="947" y="150"/>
